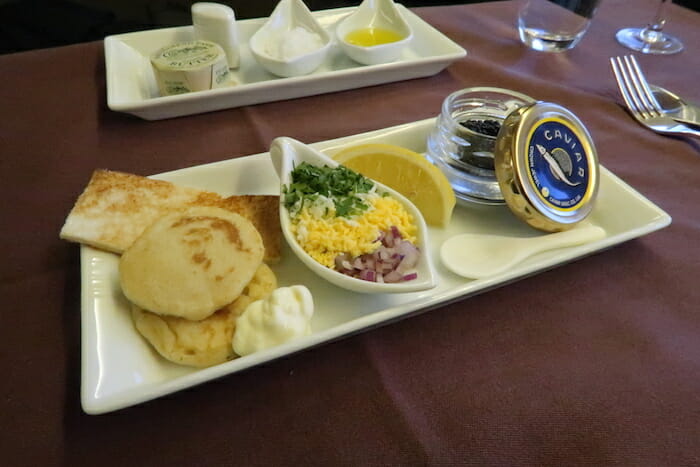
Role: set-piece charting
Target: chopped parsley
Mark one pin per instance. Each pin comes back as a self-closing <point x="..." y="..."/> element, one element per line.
<point x="339" y="184"/>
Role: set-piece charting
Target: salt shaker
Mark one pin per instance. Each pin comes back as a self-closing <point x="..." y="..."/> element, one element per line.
<point x="217" y="23"/>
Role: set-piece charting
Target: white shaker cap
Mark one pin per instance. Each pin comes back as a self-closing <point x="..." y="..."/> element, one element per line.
<point x="216" y="22"/>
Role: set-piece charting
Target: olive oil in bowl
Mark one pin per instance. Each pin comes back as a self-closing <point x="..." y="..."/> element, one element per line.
<point x="375" y="33"/>
<point x="370" y="37"/>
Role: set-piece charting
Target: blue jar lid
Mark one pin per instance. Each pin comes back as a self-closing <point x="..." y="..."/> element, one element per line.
<point x="547" y="166"/>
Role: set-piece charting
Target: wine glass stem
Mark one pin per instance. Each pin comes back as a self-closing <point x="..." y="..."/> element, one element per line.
<point x="660" y="18"/>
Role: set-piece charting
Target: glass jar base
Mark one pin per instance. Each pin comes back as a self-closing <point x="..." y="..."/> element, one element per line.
<point x="474" y="189"/>
<point x="463" y="141"/>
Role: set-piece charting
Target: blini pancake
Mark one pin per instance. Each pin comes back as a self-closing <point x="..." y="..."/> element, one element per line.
<point x="191" y="263"/>
<point x="206" y="342"/>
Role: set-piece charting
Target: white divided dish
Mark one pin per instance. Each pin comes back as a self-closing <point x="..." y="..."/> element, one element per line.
<point x="120" y="369"/>
<point x="286" y="154"/>
<point x="132" y="88"/>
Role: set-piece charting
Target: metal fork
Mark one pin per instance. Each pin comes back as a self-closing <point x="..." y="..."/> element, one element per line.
<point x="641" y="101"/>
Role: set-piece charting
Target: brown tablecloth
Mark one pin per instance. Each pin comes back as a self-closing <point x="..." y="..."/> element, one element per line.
<point x="604" y="371"/>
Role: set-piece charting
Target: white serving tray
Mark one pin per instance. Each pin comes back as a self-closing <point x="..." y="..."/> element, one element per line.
<point x="132" y="88"/>
<point x="120" y="369"/>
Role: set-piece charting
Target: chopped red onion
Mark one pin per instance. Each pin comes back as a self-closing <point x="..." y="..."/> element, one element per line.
<point x="394" y="261"/>
<point x="368" y="275"/>
<point x="393" y="276"/>
<point x="410" y="277"/>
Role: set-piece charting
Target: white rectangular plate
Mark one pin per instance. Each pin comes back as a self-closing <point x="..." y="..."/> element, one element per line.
<point x="132" y="88"/>
<point x="120" y="369"/>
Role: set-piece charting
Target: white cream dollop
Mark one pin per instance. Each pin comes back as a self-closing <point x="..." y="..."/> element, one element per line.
<point x="284" y="315"/>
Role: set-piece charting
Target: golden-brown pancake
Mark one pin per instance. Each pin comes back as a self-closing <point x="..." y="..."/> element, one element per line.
<point x="191" y="263"/>
<point x="206" y="342"/>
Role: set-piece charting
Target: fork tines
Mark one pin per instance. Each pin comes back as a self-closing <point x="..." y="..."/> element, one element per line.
<point x="635" y="88"/>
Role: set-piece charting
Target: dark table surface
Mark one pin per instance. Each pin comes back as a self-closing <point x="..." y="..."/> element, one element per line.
<point x="604" y="371"/>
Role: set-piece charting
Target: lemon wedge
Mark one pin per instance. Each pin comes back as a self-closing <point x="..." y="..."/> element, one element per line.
<point x="407" y="172"/>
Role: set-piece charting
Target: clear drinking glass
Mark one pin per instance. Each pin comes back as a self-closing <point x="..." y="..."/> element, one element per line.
<point x="651" y="39"/>
<point x="554" y="25"/>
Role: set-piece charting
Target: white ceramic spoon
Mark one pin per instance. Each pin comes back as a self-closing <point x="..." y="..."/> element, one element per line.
<point x="478" y="256"/>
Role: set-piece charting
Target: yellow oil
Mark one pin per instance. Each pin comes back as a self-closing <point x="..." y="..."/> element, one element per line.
<point x="368" y="37"/>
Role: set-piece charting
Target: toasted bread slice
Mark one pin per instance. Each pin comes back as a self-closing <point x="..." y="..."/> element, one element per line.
<point x="262" y="211"/>
<point x="116" y="207"/>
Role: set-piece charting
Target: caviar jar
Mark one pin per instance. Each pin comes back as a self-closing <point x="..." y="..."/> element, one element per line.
<point x="463" y="140"/>
<point x="498" y="146"/>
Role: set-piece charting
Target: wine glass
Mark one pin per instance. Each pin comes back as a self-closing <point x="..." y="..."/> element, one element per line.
<point x="651" y="39"/>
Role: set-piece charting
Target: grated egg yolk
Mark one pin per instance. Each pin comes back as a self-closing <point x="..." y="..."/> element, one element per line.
<point x="324" y="238"/>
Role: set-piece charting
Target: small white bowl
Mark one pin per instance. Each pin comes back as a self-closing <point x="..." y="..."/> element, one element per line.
<point x="382" y="14"/>
<point x="287" y="153"/>
<point x="286" y="17"/>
